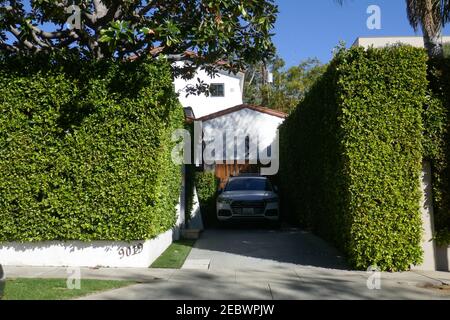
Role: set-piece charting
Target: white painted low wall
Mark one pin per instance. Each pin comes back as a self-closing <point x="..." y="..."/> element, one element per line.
<point x="137" y="254"/>
<point x="114" y="254"/>
<point x="427" y="214"/>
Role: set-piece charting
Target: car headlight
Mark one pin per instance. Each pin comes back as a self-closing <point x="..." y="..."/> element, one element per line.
<point x="271" y="200"/>
<point x="224" y="200"/>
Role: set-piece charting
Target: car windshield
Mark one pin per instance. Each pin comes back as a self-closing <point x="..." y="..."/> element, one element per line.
<point x="248" y="185"/>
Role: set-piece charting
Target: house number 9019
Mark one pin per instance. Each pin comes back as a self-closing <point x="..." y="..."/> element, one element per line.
<point x="131" y="250"/>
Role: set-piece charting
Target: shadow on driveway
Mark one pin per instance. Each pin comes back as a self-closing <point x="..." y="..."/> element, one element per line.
<point x="239" y="248"/>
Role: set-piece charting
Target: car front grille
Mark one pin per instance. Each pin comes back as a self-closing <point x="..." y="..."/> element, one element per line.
<point x="239" y="207"/>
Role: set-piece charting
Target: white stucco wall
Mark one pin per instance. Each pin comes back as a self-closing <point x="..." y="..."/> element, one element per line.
<point x="435" y="258"/>
<point x="242" y="123"/>
<point x="137" y="254"/>
<point x="203" y="105"/>
<point x="380" y="42"/>
<point x="427" y="214"/>
<point x="114" y="254"/>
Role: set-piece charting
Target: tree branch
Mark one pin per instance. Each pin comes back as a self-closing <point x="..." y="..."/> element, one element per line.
<point x="26" y="43"/>
<point x="50" y="35"/>
<point x="8" y="47"/>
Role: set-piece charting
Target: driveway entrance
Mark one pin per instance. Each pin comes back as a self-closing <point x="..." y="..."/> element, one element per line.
<point x="247" y="264"/>
<point x="263" y="264"/>
<point x="235" y="249"/>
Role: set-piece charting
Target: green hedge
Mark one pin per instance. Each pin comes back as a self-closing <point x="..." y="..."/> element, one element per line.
<point x="206" y="184"/>
<point x="437" y="145"/>
<point x="351" y="156"/>
<point x="85" y="150"/>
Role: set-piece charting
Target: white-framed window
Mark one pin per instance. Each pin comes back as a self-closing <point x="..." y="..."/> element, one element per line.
<point x="217" y="89"/>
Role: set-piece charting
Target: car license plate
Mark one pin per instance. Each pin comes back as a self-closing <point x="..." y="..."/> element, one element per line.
<point x="247" y="211"/>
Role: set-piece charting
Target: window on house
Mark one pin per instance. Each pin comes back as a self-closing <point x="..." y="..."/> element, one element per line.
<point x="217" y="89"/>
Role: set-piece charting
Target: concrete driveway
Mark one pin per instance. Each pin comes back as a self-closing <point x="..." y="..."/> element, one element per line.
<point x="256" y="264"/>
<point x="272" y="264"/>
<point x="243" y="249"/>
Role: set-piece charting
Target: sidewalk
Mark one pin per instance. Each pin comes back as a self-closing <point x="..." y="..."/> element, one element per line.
<point x="266" y="284"/>
<point x="127" y="274"/>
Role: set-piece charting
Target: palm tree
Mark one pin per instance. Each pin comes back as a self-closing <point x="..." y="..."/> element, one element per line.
<point x="431" y="16"/>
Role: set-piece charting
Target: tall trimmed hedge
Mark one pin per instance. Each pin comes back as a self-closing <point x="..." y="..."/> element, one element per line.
<point x="351" y="156"/>
<point x="437" y="145"/>
<point x="85" y="150"/>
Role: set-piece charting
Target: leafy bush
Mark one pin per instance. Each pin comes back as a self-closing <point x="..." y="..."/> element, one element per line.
<point x="207" y="184"/>
<point x="437" y="145"/>
<point x="351" y="156"/>
<point x="85" y="150"/>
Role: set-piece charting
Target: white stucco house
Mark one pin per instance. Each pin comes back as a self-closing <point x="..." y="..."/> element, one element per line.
<point x="248" y="138"/>
<point x="238" y="126"/>
<point x="226" y="91"/>
<point x="234" y="137"/>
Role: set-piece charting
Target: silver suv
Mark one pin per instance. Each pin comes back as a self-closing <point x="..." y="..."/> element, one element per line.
<point x="248" y="198"/>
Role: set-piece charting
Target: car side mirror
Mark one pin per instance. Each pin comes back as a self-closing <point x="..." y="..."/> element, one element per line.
<point x="220" y="191"/>
<point x="275" y="188"/>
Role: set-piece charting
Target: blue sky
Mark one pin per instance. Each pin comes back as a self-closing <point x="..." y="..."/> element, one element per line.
<point x="313" y="28"/>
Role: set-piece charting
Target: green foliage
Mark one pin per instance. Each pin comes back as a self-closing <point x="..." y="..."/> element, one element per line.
<point x="236" y="31"/>
<point x="288" y="88"/>
<point x="56" y="289"/>
<point x="351" y="156"/>
<point x="207" y="184"/>
<point x="437" y="145"/>
<point x="86" y="150"/>
<point x="117" y="32"/>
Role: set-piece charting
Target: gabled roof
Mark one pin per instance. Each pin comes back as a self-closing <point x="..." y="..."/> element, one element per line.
<point x="268" y="111"/>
